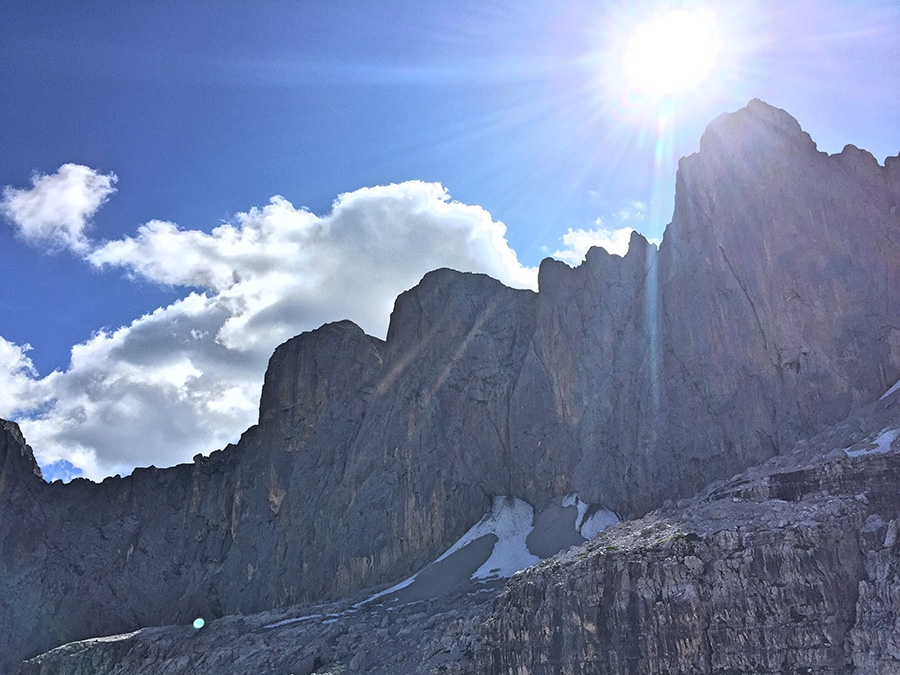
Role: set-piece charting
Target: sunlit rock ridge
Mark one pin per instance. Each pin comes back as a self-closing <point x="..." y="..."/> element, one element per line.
<point x="770" y="311"/>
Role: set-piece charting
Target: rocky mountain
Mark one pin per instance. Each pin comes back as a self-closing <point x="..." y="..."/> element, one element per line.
<point x="790" y="567"/>
<point x="769" y="312"/>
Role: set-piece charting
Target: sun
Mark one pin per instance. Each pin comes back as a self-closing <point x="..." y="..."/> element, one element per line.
<point x="671" y="53"/>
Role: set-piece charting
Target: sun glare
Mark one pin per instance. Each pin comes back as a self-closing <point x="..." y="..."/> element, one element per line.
<point x="671" y="53"/>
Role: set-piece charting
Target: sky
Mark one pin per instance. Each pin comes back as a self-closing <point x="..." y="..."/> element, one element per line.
<point x="186" y="184"/>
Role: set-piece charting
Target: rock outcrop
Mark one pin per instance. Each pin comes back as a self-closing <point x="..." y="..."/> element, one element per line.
<point x="769" y="311"/>
<point x="788" y="568"/>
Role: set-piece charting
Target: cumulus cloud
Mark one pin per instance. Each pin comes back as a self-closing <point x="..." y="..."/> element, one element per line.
<point x="615" y="240"/>
<point x="155" y="392"/>
<point x="578" y="242"/>
<point x="187" y="377"/>
<point x="17" y="375"/>
<point x="280" y="267"/>
<point x="56" y="210"/>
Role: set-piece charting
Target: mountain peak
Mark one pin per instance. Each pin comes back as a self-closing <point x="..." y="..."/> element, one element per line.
<point x="753" y="127"/>
<point x="16" y="457"/>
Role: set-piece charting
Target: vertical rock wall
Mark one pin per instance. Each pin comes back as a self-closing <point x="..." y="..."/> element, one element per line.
<point x="789" y="568"/>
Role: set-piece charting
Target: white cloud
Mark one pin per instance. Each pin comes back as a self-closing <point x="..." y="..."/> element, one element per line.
<point x="278" y="268"/>
<point x="633" y="210"/>
<point x="155" y="392"/>
<point x="577" y="243"/>
<point x="615" y="240"/>
<point x="56" y="210"/>
<point x="17" y="375"/>
<point x="186" y="378"/>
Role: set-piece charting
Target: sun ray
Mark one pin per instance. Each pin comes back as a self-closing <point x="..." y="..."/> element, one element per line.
<point x="671" y="53"/>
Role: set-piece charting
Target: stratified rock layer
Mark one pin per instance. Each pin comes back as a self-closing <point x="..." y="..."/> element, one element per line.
<point x="770" y="310"/>
<point x="789" y="568"/>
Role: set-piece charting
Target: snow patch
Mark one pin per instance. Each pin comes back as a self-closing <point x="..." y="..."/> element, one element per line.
<point x="891" y="390"/>
<point x="591" y="526"/>
<point x="598" y="521"/>
<point x="572" y="500"/>
<point x="882" y="444"/>
<point x="110" y="638"/>
<point x="298" y="619"/>
<point x="510" y="520"/>
<point x="393" y="589"/>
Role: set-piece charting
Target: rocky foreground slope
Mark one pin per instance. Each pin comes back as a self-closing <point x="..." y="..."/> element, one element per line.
<point x="769" y="311"/>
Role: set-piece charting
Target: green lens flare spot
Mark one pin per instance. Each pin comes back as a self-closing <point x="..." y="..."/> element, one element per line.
<point x="199" y="623"/>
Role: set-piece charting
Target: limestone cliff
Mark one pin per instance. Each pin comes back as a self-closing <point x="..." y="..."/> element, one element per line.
<point x="769" y="311"/>
<point x="788" y="568"/>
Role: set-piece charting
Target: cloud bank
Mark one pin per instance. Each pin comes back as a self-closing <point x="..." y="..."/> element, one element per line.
<point x="186" y="378"/>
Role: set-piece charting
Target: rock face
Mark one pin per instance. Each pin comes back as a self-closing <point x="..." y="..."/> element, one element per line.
<point x="789" y="568"/>
<point x="769" y="311"/>
<point x="786" y="258"/>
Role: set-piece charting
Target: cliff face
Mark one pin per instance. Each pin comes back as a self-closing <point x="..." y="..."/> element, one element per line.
<point x="770" y="310"/>
<point x="783" y="260"/>
<point x="789" y="568"/>
<point x="21" y="530"/>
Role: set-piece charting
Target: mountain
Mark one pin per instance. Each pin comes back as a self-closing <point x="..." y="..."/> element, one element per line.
<point x="769" y="312"/>
<point x="789" y="567"/>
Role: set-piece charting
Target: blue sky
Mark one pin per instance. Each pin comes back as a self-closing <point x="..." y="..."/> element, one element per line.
<point x="194" y="115"/>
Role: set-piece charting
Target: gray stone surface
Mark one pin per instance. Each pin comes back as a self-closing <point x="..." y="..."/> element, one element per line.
<point x="769" y="312"/>
<point x="791" y="567"/>
<point x="399" y="639"/>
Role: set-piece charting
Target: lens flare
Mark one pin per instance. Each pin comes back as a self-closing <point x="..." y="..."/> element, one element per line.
<point x="671" y="53"/>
